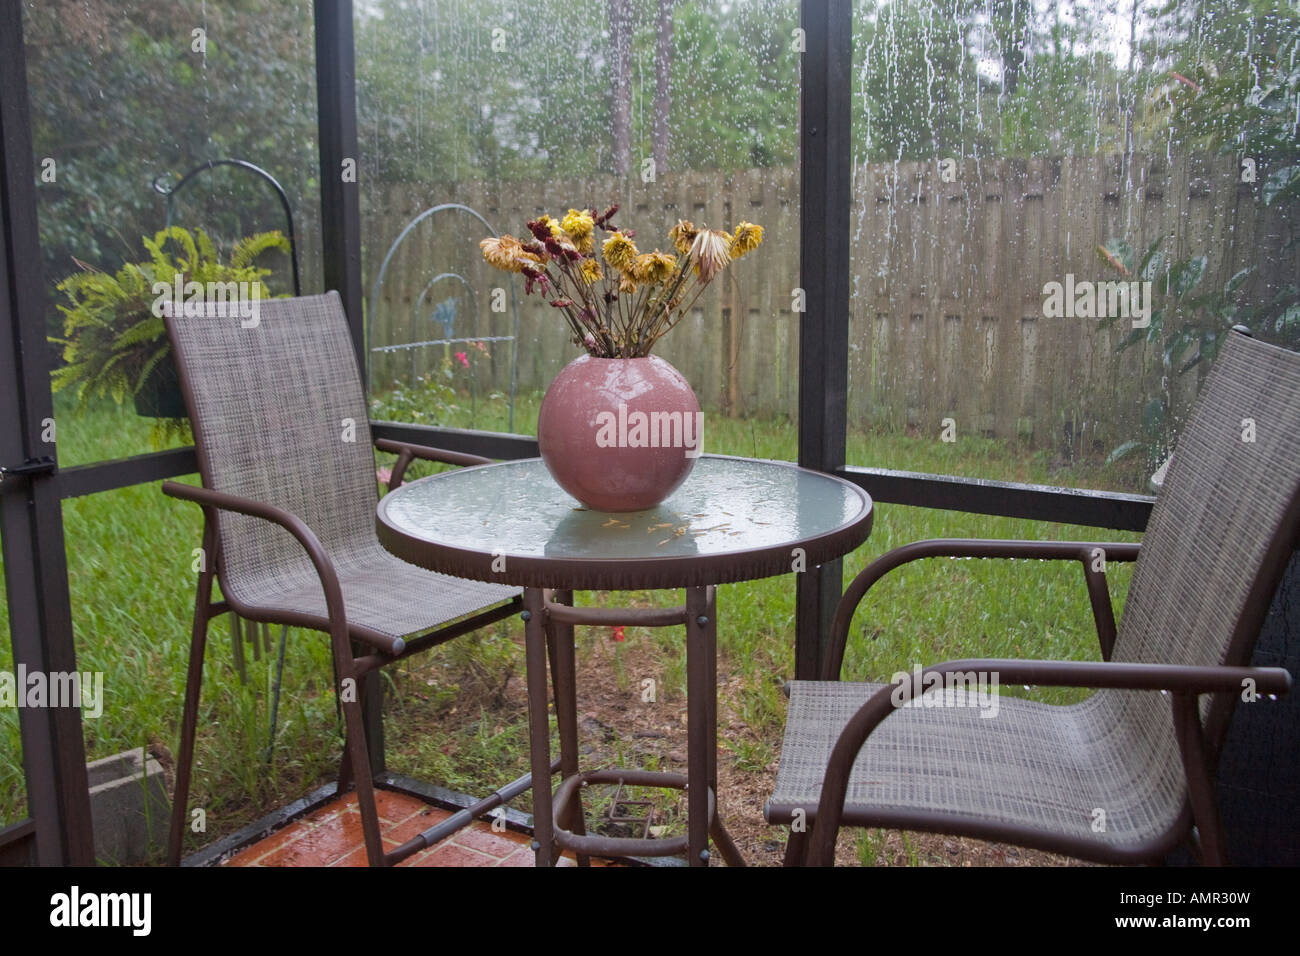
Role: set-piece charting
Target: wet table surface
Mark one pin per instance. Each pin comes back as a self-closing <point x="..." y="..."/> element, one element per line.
<point x="732" y="519"/>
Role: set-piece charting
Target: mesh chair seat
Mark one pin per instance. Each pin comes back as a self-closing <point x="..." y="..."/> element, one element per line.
<point x="1043" y="767"/>
<point x="380" y="592"/>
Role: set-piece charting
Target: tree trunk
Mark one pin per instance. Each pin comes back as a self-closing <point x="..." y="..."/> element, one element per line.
<point x="1012" y="23"/>
<point x="620" y="81"/>
<point x="663" y="84"/>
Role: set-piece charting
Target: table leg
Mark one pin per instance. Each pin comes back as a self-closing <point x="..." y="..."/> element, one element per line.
<point x="700" y="650"/>
<point x="539" y="730"/>
<point x="564" y="676"/>
<point x="702" y="742"/>
<point x="711" y="677"/>
<point x="721" y="838"/>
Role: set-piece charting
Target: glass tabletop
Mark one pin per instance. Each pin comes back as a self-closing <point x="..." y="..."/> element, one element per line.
<point x="515" y="510"/>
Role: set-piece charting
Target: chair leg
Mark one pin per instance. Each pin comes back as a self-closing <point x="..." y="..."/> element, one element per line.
<point x="189" y="727"/>
<point x="796" y="848"/>
<point x="253" y="634"/>
<point x="723" y="841"/>
<point x="237" y="647"/>
<point x="345" y="768"/>
<point x="275" y="694"/>
<point x="363" y="686"/>
<point x="358" y="758"/>
<point x="1200" y="781"/>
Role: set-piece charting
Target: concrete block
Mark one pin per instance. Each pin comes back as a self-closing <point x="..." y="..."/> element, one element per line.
<point x="128" y="807"/>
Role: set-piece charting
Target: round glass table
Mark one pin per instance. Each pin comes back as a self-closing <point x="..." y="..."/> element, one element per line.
<point x="733" y="519"/>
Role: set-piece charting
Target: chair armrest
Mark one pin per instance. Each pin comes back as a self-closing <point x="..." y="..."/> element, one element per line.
<point x="1119" y="675"/>
<point x="406" y="452"/>
<point x="208" y="499"/>
<point x="1182" y="681"/>
<point x="1082" y="551"/>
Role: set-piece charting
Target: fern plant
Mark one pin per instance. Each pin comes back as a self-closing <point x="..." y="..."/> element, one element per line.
<point x="112" y="340"/>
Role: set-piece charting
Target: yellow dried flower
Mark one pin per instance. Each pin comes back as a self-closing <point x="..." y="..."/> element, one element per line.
<point x="626" y="285"/>
<point x="556" y="230"/>
<point x="620" y="252"/>
<point x="505" y="252"/>
<point x="591" y="271"/>
<point x="654" y="267"/>
<point x="747" y="238"/>
<point x="579" y="226"/>
<point x="710" y="253"/>
<point x="682" y="235"/>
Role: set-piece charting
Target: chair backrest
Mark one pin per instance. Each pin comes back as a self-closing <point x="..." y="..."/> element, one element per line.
<point x="279" y="416"/>
<point x="1225" y="522"/>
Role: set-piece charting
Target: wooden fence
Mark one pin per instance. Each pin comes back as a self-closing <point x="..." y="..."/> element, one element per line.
<point x="949" y="265"/>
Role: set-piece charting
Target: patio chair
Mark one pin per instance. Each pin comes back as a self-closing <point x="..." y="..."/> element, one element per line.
<point x="289" y="497"/>
<point x="1127" y="774"/>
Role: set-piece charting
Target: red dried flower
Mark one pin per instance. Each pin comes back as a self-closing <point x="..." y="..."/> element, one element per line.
<point x="533" y="277"/>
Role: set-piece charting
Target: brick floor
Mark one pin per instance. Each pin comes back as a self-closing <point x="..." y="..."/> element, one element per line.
<point x="331" y="836"/>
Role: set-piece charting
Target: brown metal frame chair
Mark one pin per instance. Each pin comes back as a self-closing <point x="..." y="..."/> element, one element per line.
<point x="289" y="509"/>
<point x="1222" y="531"/>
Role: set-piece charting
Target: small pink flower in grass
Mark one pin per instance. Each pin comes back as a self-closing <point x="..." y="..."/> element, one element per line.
<point x="385" y="475"/>
<point x="463" y="359"/>
<point x="618" y="634"/>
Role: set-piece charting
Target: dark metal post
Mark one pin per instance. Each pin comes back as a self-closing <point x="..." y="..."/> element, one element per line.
<point x="825" y="131"/>
<point x="336" y="101"/>
<point x="36" y="572"/>
<point x="340" y="206"/>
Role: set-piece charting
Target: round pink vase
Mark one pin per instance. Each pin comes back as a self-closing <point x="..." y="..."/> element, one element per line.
<point x="620" y="434"/>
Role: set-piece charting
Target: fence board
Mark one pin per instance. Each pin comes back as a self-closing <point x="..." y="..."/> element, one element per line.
<point x="947" y="284"/>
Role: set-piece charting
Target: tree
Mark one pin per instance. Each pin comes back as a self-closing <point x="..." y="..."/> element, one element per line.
<point x="663" y="84"/>
<point x="620" y="83"/>
<point x="117" y="101"/>
<point x="1231" y="70"/>
<point x="1011" y="26"/>
<point x="919" y="90"/>
<point x="1069" y="97"/>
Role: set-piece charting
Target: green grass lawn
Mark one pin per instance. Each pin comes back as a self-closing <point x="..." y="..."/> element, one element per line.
<point x="129" y="561"/>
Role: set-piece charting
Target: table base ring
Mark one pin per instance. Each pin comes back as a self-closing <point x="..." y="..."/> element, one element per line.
<point x="592" y="845"/>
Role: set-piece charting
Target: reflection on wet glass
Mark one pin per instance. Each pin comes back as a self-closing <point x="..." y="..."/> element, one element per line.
<point x="123" y="96"/>
<point x="725" y="505"/>
<point x="1059" y="212"/>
